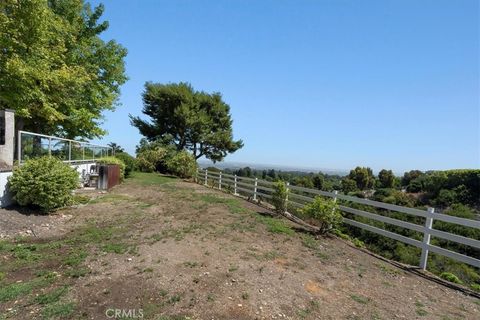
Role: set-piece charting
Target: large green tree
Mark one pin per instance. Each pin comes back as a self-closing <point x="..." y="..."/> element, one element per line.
<point x="363" y="177"/>
<point x="386" y="178"/>
<point x="55" y="71"/>
<point x="192" y="120"/>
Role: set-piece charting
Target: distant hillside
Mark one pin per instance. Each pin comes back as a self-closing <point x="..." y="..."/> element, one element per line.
<point x="259" y="166"/>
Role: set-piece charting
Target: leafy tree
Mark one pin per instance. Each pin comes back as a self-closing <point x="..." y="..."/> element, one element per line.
<point x="409" y="176"/>
<point x="348" y="185"/>
<point x="325" y="212"/>
<point x="116" y="148"/>
<point x="363" y="177"/>
<point x="386" y="178"/>
<point x="279" y="196"/>
<point x="318" y="181"/>
<point x="192" y="120"/>
<point x="55" y="70"/>
<point x="272" y="174"/>
<point x="304" y="181"/>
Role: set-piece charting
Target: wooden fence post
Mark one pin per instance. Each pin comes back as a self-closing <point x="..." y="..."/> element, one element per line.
<point x="426" y="238"/>
<point x="255" y="190"/>
<point x="206" y="176"/>
<point x="235" y="186"/>
<point x="220" y="181"/>
<point x="335" y="192"/>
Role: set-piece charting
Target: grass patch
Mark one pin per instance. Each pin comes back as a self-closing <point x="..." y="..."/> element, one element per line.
<point x="75" y="257"/>
<point x="309" y="241"/>
<point x="111" y="198"/>
<point x="15" y="290"/>
<point x="51" y="297"/>
<point x="150" y="178"/>
<point x="58" y="310"/>
<point x="118" y="248"/>
<point x="174" y="299"/>
<point x="77" y="272"/>
<point x="232" y="268"/>
<point x="360" y="299"/>
<point x="275" y="225"/>
<point x="421" y="312"/>
<point x="388" y="270"/>
<point x="190" y="264"/>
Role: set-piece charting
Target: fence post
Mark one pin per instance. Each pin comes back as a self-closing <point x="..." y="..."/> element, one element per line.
<point x="255" y="190"/>
<point x="335" y="192"/>
<point x="69" y="150"/>
<point x="286" y="197"/>
<point x="83" y="152"/>
<point x="235" y="186"/>
<point x="206" y="176"/>
<point x="49" y="146"/>
<point x="426" y="238"/>
<point x="220" y="181"/>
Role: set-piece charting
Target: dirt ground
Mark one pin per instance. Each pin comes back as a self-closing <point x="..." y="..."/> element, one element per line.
<point x="168" y="249"/>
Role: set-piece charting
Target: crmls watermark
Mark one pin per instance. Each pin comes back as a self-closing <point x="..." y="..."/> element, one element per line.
<point x="114" y="313"/>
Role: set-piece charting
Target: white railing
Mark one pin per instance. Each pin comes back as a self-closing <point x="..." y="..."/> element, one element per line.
<point x="254" y="189"/>
<point x="33" y="145"/>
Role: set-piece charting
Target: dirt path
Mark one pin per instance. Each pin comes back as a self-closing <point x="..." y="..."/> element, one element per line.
<point x="174" y="250"/>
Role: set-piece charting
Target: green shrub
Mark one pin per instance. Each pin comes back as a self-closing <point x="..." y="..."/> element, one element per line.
<point x="44" y="182"/>
<point x="182" y="164"/>
<point x="152" y="159"/>
<point x="325" y="212"/>
<point x="114" y="160"/>
<point x="450" y="277"/>
<point x="129" y="161"/>
<point x="279" y="196"/>
<point x="475" y="287"/>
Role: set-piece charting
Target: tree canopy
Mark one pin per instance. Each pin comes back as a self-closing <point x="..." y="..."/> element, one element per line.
<point x="191" y="120"/>
<point x="55" y="71"/>
<point x="386" y="178"/>
<point x="363" y="177"/>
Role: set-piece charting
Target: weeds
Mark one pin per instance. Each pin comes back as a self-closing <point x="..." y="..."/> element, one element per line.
<point x="360" y="299"/>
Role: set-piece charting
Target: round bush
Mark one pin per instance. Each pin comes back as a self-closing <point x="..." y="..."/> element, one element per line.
<point x="44" y="182"/>
<point x="182" y="164"/>
<point x="151" y="159"/>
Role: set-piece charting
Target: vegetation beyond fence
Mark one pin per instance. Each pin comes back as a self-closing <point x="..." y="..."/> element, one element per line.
<point x="260" y="190"/>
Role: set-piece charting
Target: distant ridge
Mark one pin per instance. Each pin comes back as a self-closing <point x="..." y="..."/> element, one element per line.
<point x="260" y="166"/>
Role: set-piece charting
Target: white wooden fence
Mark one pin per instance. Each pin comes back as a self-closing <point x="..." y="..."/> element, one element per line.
<point x="299" y="196"/>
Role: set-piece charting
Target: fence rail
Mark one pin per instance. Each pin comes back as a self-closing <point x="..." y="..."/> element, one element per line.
<point x="32" y="145"/>
<point x="299" y="196"/>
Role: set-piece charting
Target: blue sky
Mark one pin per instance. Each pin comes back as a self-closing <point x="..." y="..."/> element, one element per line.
<point x="325" y="84"/>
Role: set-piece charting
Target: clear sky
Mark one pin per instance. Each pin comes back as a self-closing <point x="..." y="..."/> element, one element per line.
<point x="326" y="84"/>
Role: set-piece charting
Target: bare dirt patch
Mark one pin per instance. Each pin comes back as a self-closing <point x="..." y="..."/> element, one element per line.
<point x="176" y="249"/>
